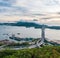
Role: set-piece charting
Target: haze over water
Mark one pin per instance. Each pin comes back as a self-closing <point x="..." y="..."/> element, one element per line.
<point x="6" y="31"/>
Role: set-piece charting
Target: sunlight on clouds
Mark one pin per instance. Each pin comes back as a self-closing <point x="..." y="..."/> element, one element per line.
<point x="15" y="18"/>
<point x="13" y="10"/>
<point x="9" y="18"/>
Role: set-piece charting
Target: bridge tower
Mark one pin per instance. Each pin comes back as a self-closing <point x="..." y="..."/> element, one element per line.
<point x="43" y="33"/>
<point x="41" y="41"/>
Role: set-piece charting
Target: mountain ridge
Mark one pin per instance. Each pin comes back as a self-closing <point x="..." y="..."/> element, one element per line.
<point x="30" y="24"/>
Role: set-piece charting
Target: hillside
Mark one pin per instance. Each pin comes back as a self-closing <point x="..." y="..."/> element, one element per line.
<point x="30" y="24"/>
<point x="43" y="52"/>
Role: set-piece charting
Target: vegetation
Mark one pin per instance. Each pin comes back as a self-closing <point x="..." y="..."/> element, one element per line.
<point x="43" y="52"/>
<point x="1" y="44"/>
<point x="30" y="24"/>
<point x="17" y="45"/>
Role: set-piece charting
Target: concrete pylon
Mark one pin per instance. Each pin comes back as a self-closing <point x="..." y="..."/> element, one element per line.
<point x="43" y="33"/>
<point x="41" y="41"/>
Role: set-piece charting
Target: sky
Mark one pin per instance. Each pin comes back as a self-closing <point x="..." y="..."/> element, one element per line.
<point x="44" y="11"/>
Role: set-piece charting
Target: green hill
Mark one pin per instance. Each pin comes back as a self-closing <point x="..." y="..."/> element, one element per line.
<point x="43" y="52"/>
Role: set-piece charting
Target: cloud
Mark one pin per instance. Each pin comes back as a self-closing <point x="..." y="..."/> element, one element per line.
<point x="6" y="3"/>
<point x="29" y="6"/>
<point x="39" y="6"/>
<point x="40" y="9"/>
<point x="7" y="7"/>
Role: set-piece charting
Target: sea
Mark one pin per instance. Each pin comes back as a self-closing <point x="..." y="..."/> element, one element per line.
<point x="24" y="32"/>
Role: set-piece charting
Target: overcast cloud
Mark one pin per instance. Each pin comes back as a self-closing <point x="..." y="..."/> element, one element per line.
<point x="34" y="8"/>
